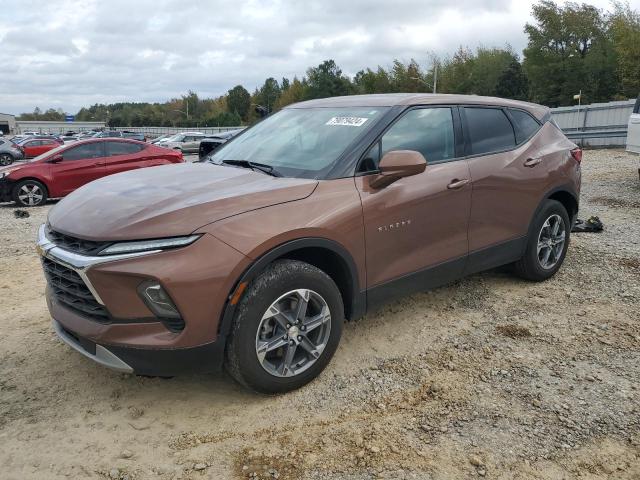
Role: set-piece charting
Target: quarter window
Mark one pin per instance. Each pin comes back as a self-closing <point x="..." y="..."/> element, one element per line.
<point x="489" y="130"/>
<point x="525" y="125"/>
<point x="81" y="152"/>
<point x="426" y="130"/>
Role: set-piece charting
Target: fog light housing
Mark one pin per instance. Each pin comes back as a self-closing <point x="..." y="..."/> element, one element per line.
<point x="159" y="302"/>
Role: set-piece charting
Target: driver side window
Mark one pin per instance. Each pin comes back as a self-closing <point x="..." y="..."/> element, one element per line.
<point x="86" y="151"/>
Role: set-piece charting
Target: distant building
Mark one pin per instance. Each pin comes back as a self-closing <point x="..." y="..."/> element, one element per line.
<point x="7" y="124"/>
<point x="42" y="126"/>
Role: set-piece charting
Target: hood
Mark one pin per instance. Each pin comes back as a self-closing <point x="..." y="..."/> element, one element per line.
<point x="170" y="200"/>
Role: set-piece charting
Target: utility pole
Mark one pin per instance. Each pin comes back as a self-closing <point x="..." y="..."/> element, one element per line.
<point x="435" y="77"/>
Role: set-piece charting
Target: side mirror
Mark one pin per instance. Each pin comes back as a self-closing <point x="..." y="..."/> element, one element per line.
<point x="398" y="164"/>
<point x="56" y="158"/>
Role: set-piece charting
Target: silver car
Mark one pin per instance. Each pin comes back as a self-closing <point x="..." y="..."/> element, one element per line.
<point x="9" y="152"/>
<point x="186" y="142"/>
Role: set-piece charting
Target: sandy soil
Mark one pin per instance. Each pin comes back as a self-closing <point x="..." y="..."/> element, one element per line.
<point x="490" y="377"/>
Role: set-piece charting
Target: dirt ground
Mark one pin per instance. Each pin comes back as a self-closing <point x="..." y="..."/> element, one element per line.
<point x="489" y="377"/>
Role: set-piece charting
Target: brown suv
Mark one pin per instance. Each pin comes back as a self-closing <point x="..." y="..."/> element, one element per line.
<point x="315" y="215"/>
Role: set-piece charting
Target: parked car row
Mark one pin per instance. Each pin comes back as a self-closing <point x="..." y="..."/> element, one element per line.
<point x="59" y="171"/>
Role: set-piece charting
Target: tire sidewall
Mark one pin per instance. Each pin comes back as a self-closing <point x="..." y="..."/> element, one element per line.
<point x="550" y="207"/>
<point x="20" y="184"/>
<point x="280" y="278"/>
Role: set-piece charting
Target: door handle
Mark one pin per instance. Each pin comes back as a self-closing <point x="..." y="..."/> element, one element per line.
<point x="532" y="162"/>
<point x="456" y="184"/>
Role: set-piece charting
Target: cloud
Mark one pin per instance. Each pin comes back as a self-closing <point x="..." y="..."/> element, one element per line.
<point x="70" y="54"/>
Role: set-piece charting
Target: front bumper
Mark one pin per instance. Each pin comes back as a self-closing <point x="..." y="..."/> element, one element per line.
<point x="198" y="278"/>
<point x="140" y="361"/>
<point x="5" y="190"/>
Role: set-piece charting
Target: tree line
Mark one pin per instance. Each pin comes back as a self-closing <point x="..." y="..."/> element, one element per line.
<point x="571" y="48"/>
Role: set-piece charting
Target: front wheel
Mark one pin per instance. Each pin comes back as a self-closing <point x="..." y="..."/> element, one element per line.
<point x="547" y="243"/>
<point x="6" y="159"/>
<point x="286" y="328"/>
<point x="30" y="193"/>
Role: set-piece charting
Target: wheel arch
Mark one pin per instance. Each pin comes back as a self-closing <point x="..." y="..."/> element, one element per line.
<point x="327" y="255"/>
<point x="30" y="177"/>
<point x="568" y="200"/>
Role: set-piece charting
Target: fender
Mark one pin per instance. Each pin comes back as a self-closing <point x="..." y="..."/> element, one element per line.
<point x="357" y="300"/>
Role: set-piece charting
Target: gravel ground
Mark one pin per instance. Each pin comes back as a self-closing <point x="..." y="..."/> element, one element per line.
<point x="489" y="377"/>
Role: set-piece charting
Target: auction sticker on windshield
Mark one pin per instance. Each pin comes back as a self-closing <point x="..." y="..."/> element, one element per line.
<point x="347" y="121"/>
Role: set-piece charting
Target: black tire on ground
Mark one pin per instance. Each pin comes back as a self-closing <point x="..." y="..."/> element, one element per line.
<point x="30" y="193"/>
<point x="6" y="159"/>
<point x="280" y="278"/>
<point x="530" y="266"/>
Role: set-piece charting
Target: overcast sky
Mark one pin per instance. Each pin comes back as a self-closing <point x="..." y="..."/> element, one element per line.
<point x="68" y="54"/>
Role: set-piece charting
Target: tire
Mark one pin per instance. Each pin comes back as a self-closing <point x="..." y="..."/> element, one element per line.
<point x="6" y="159"/>
<point x="313" y="340"/>
<point x="30" y="193"/>
<point x="538" y="265"/>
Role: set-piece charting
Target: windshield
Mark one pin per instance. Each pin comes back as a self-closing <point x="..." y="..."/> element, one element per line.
<point x="301" y="142"/>
<point x="174" y="138"/>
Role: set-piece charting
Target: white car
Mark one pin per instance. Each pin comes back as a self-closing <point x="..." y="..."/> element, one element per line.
<point x="186" y="142"/>
<point x="633" y="131"/>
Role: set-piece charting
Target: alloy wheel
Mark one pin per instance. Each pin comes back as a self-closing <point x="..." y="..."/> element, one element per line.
<point x="30" y="194"/>
<point x="551" y="241"/>
<point x="5" y="159"/>
<point x="293" y="333"/>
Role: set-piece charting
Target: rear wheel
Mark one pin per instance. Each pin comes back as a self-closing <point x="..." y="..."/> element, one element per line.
<point x="6" y="159"/>
<point x="286" y="328"/>
<point x="30" y="193"/>
<point x="547" y="243"/>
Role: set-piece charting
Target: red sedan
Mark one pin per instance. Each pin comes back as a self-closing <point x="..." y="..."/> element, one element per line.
<point x="35" y="147"/>
<point x="60" y="171"/>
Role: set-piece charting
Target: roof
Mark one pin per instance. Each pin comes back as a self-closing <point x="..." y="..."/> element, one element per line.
<point x="407" y="99"/>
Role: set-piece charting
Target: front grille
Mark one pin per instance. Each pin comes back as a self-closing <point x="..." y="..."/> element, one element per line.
<point x="69" y="289"/>
<point x="74" y="244"/>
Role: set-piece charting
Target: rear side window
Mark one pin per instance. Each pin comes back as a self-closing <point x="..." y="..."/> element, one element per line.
<point x="426" y="130"/>
<point x="525" y="125"/>
<point x="489" y="130"/>
<point x="88" y="150"/>
<point x="636" y="107"/>
<point x="122" y="148"/>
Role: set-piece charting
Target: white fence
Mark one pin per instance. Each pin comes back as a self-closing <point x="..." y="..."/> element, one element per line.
<point x="157" y="131"/>
<point x="595" y="125"/>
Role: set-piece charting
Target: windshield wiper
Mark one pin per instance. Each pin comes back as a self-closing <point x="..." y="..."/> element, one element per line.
<point x="268" y="169"/>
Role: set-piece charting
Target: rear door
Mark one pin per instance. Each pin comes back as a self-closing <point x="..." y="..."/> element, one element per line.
<point x="122" y="156"/>
<point x="509" y="161"/>
<point x="633" y="132"/>
<point x="80" y="164"/>
<point x="48" y="145"/>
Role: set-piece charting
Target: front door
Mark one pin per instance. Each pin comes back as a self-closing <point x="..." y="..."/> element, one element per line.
<point x="80" y="164"/>
<point x="416" y="228"/>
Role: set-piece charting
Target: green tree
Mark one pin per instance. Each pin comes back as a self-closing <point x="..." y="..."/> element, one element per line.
<point x="327" y="80"/>
<point x="624" y="28"/>
<point x="239" y="101"/>
<point x="568" y="51"/>
<point x="512" y="82"/>
<point x="268" y="94"/>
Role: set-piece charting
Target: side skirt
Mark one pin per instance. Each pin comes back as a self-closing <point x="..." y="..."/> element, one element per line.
<point x="446" y="272"/>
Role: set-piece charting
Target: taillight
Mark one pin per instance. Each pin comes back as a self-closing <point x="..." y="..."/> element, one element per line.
<point x="576" y="153"/>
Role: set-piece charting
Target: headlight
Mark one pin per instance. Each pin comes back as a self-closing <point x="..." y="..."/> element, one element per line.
<point x="146" y="245"/>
